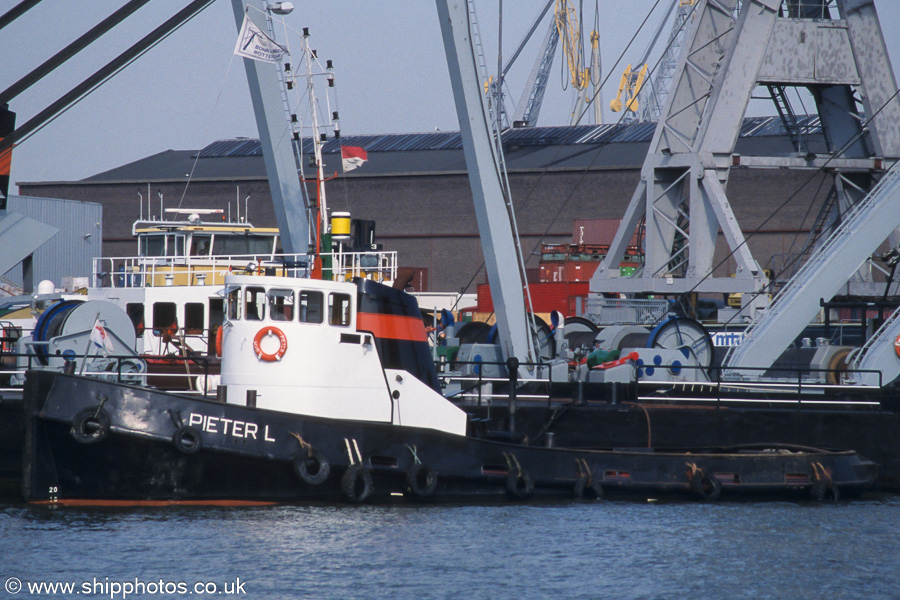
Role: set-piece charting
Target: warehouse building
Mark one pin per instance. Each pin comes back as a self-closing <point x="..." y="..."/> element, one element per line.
<point x="415" y="187"/>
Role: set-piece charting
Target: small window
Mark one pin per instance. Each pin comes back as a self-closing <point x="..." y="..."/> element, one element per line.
<point x="152" y="245"/>
<point x="194" y="321"/>
<point x="281" y="305"/>
<point x="175" y="245"/>
<point x="310" y="307"/>
<point x="255" y="303"/>
<point x="135" y="312"/>
<point x="165" y="319"/>
<point x="200" y="245"/>
<point x="339" y="309"/>
<point x="234" y="303"/>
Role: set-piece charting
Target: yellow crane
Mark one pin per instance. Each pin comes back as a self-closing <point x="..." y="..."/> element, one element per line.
<point x="581" y="77"/>
<point x="631" y="83"/>
<point x="633" y="79"/>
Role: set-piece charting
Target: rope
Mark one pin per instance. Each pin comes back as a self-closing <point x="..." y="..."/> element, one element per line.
<point x="694" y="469"/>
<point x="415" y="456"/>
<point x="210" y="113"/>
<point x="103" y="400"/>
<point x="512" y="461"/>
<point x="582" y="470"/>
<point x="303" y="445"/>
<point x="349" y="452"/>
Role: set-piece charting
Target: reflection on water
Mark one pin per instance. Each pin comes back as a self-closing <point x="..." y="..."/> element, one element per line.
<point x="583" y="550"/>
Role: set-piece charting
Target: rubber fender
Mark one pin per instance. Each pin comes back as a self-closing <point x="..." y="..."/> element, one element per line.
<point x="421" y="480"/>
<point x="311" y="467"/>
<point x="187" y="439"/>
<point x="356" y="483"/>
<point x="90" y="425"/>
<point x="705" y="487"/>
<point x="519" y="484"/>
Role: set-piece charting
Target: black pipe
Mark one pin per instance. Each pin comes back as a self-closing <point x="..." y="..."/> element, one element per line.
<point x="104" y="73"/>
<point x="71" y="50"/>
<point x="16" y="12"/>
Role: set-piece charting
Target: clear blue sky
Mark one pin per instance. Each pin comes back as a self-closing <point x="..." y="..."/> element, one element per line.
<point x="390" y="70"/>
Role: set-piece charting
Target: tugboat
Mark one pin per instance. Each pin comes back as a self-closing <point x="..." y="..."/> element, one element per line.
<point x="329" y="393"/>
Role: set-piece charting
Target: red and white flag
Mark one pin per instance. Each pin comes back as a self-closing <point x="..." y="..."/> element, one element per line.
<point x="100" y="337"/>
<point x="353" y="157"/>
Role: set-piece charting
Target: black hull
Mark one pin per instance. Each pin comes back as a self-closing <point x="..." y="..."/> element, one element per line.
<point x="138" y="450"/>
<point x="875" y="434"/>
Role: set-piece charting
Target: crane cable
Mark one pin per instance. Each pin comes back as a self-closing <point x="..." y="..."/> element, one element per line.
<point x="546" y="169"/>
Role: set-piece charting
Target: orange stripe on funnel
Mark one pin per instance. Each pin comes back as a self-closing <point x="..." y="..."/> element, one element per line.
<point x="393" y="327"/>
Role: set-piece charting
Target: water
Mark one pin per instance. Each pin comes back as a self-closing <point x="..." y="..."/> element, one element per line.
<point x="622" y="550"/>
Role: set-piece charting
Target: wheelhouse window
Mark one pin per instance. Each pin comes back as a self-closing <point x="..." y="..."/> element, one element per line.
<point x="255" y="304"/>
<point x="339" y="309"/>
<point x="281" y="304"/>
<point x="310" y="307"/>
<point x="175" y="245"/>
<point x="225" y="245"/>
<point x="200" y="245"/>
<point x="152" y="245"/>
<point x="233" y="296"/>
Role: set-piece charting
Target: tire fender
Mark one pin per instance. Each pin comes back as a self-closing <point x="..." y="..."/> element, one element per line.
<point x="90" y="425"/>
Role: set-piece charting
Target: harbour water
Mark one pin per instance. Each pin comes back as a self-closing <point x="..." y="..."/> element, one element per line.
<point x="601" y="549"/>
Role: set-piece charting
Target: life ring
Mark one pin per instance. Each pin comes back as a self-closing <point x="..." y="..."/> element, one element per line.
<point x="421" y="480"/>
<point x="187" y="439"/>
<point x="705" y="487"/>
<point x="310" y="466"/>
<point x="356" y="484"/>
<point x="897" y="346"/>
<point x="90" y="425"/>
<point x="519" y="483"/>
<point x="282" y="344"/>
<point x="219" y="341"/>
<point x="587" y="489"/>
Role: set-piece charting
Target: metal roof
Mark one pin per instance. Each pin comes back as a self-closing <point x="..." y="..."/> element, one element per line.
<point x="524" y="136"/>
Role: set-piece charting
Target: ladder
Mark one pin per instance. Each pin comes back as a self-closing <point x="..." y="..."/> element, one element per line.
<point x="788" y="118"/>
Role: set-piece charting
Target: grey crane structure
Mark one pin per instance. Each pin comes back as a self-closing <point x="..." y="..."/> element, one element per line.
<point x="835" y="49"/>
<point x="654" y="95"/>
<point x="730" y="50"/>
<point x="495" y="224"/>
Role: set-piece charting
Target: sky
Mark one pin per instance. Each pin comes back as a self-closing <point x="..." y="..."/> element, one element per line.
<point x="390" y="72"/>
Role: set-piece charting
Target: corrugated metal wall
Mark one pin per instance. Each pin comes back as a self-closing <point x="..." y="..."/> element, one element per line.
<point x="69" y="253"/>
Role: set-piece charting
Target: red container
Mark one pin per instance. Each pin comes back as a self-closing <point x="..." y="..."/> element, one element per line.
<point x="546" y="297"/>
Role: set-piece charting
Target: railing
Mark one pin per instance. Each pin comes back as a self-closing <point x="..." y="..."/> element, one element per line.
<point x="473" y="385"/>
<point x="616" y="311"/>
<point x="199" y="376"/>
<point x="161" y="271"/>
<point x="797" y="387"/>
